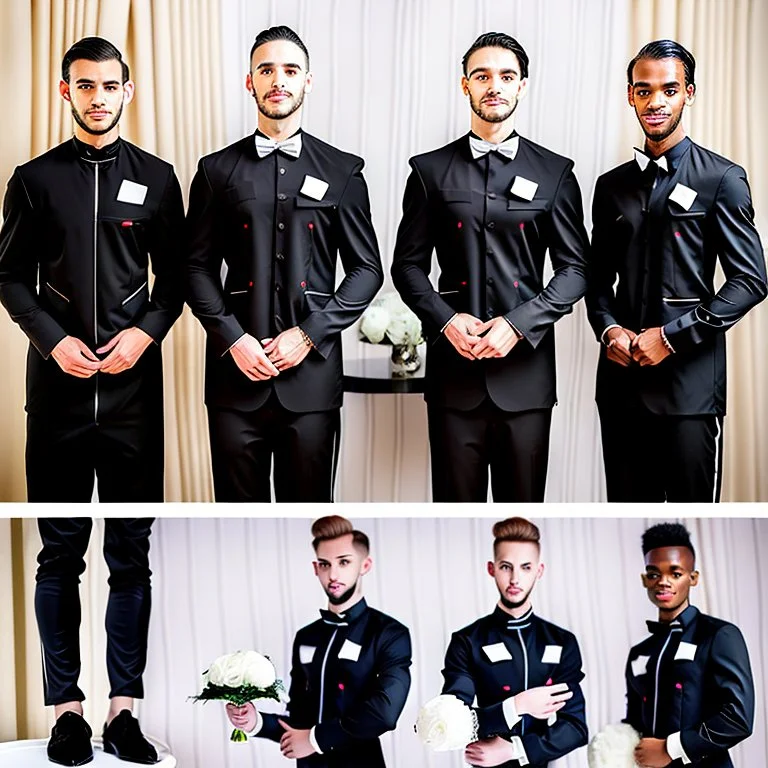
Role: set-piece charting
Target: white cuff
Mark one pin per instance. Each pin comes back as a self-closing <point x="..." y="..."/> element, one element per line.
<point x="442" y="330"/>
<point x="514" y="328"/>
<point x="259" y="725"/>
<point x="675" y="748"/>
<point x="608" y="328"/>
<point x="665" y="341"/>
<point x="520" y="755"/>
<point x="313" y="740"/>
<point x="510" y="712"/>
<point x="229" y="348"/>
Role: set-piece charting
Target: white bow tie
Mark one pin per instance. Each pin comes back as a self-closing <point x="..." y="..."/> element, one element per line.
<point x="642" y="160"/>
<point x="480" y="147"/>
<point x="265" y="146"/>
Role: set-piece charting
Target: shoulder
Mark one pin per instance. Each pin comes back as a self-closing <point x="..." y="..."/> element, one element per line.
<point x="387" y="624"/>
<point x="147" y="159"/>
<point x="346" y="162"/>
<point x="437" y="158"/>
<point x="555" y="632"/>
<point x="615" y="176"/>
<point x="38" y="168"/>
<point x="477" y="628"/>
<point x="542" y="155"/>
<point x="711" y="626"/>
<point x="308" y="631"/>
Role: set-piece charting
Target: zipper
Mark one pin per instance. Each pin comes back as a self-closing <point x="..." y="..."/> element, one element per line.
<point x="322" y="675"/>
<point x="525" y="671"/>
<point x="95" y="285"/>
<point x="656" y="681"/>
<point x="135" y="293"/>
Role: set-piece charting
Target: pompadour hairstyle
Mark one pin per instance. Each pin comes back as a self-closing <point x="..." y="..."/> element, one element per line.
<point x="278" y="33"/>
<point x="92" y="49"/>
<point x="498" y="40"/>
<point x="334" y="527"/>
<point x="667" y="535"/>
<point x="666" y="49"/>
<point x="515" y="529"/>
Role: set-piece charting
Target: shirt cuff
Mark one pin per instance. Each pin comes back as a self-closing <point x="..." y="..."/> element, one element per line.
<point x="512" y="326"/>
<point x="313" y="741"/>
<point x="608" y="328"/>
<point x="675" y="748"/>
<point x="450" y="320"/>
<point x="232" y="345"/>
<point x="259" y="725"/>
<point x="520" y="755"/>
<point x="665" y="340"/>
<point x="510" y="712"/>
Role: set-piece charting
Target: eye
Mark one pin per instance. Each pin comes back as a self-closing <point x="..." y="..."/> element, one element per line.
<point x="641" y="92"/>
<point x="344" y="562"/>
<point x="482" y="77"/>
<point x="291" y="72"/>
<point x="265" y="71"/>
<point x="670" y="91"/>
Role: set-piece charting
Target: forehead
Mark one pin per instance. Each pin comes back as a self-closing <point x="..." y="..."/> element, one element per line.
<point x="330" y="550"/>
<point x="658" y="71"/>
<point x="493" y="57"/>
<point x="278" y="52"/>
<point x="517" y="552"/>
<point x="98" y="71"/>
<point x="668" y="557"/>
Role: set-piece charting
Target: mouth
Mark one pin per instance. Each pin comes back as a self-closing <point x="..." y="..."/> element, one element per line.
<point x="335" y="587"/>
<point x="493" y="101"/>
<point x="514" y="591"/>
<point x="97" y="114"/>
<point x="655" y="119"/>
<point x="664" y="597"/>
<point x="278" y="96"/>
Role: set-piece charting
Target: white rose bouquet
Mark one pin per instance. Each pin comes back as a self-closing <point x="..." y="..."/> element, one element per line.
<point x="614" y="747"/>
<point x="388" y="320"/>
<point x="445" y="723"/>
<point x="240" y="677"/>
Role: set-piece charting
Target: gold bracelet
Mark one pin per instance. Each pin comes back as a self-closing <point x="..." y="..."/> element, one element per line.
<point x="306" y="338"/>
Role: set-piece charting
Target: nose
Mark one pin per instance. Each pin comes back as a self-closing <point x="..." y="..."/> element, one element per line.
<point x="278" y="78"/>
<point x="658" y="100"/>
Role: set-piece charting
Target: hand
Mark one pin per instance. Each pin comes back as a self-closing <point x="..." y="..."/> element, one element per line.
<point x="295" y="743"/>
<point x="462" y="333"/>
<point x="652" y="753"/>
<point x="648" y="347"/>
<point x="498" y="341"/>
<point x="287" y="349"/>
<point x="250" y="358"/>
<point x="126" y="348"/>
<point x="490" y="752"/>
<point x="75" y="358"/>
<point x="543" y="701"/>
<point x="245" y="718"/>
<point x="619" y="345"/>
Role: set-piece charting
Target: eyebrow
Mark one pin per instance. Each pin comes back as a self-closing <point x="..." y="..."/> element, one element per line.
<point x="506" y="562"/>
<point x="273" y="64"/>
<point x="643" y="84"/>
<point x="507" y="71"/>
<point x="325" y="560"/>
<point x="88" y="81"/>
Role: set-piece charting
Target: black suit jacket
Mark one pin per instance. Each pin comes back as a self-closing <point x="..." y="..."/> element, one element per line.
<point x="682" y="297"/>
<point x="349" y="680"/>
<point x="490" y="247"/>
<point x="535" y="653"/>
<point x="280" y="247"/>
<point x="61" y="275"/>
<point x="702" y="688"/>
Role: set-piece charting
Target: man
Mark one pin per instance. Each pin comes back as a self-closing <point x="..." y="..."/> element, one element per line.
<point x="81" y="221"/>
<point x="350" y="670"/>
<point x="689" y="685"/>
<point x="523" y="671"/>
<point x="277" y="208"/>
<point x="491" y="204"/>
<point x="661" y="222"/>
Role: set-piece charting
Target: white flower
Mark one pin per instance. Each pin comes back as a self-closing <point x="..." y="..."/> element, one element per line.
<point x="446" y="722"/>
<point x="258" y="670"/>
<point x="241" y="668"/>
<point x="388" y="315"/>
<point x="373" y="324"/>
<point x="614" y="747"/>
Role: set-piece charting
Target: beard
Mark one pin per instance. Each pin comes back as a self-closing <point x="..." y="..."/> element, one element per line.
<point x="477" y="108"/>
<point x="668" y="132"/>
<point x="512" y="604"/>
<point x="80" y="120"/>
<point x="280" y="111"/>
<point x="341" y="598"/>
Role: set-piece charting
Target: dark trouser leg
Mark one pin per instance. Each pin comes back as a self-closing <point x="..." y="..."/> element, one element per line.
<point x="458" y="447"/>
<point x="693" y="462"/>
<point x="57" y="604"/>
<point x="126" y="550"/>
<point x="306" y="452"/>
<point x="519" y="454"/>
<point x="59" y="459"/>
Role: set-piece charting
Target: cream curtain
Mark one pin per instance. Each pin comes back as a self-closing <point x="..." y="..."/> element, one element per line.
<point x="177" y="114"/>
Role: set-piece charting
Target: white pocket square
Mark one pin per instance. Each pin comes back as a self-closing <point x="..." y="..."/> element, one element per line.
<point x="131" y="192"/>
<point x="314" y="188"/>
<point x="685" y="651"/>
<point x="552" y="654"/>
<point x="524" y="188"/>
<point x="306" y="653"/>
<point x="640" y="665"/>
<point x="497" y="652"/>
<point x="683" y="196"/>
<point x="350" y="650"/>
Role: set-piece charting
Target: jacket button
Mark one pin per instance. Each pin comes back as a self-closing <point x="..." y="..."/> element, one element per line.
<point x="491" y="195"/>
<point x="490" y="281"/>
<point x="279" y="256"/>
<point x="489" y="314"/>
<point x="282" y="196"/>
<point x="281" y="225"/>
<point x="491" y="225"/>
<point x="277" y="289"/>
<point x="282" y="171"/>
<point x="489" y="252"/>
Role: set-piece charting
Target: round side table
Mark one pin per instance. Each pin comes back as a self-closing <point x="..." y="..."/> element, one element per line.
<point x="31" y="754"/>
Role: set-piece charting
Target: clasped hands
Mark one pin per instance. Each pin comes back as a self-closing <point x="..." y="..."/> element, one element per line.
<point x="263" y="360"/>
<point x="645" y="348"/>
<point x="125" y="348"/>
<point x="476" y="340"/>
<point x="294" y="743"/>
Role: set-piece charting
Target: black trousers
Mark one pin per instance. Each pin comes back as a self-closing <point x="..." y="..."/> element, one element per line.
<point x="57" y="603"/>
<point x="464" y="444"/>
<point x="124" y="454"/>
<point x="652" y="458"/>
<point x="305" y="447"/>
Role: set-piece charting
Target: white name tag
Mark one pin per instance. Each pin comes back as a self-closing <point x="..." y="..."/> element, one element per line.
<point x="552" y="654"/>
<point x="314" y="188"/>
<point x="685" y="651"/>
<point x="497" y="652"/>
<point x="524" y="188"/>
<point x="640" y="665"/>
<point x="131" y="192"/>
<point x="350" y="651"/>
<point x="306" y="653"/>
<point x="683" y="196"/>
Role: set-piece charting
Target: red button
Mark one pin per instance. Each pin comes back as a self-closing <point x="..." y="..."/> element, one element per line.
<point x="341" y="686"/>
<point x="303" y="284"/>
<point x="549" y="682"/>
<point x="126" y="224"/>
<point x="245" y="226"/>
<point x="505" y="687"/>
<point x="677" y="234"/>
<point x="459" y="225"/>
<point x="522" y="225"/>
<point x="644" y="699"/>
<point x="250" y="284"/>
<point x="679" y="686"/>
<point x="515" y="283"/>
<point x="463" y="282"/>
<point x="311" y="225"/>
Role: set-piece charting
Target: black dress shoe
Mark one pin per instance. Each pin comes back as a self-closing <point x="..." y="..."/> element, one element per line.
<point x="123" y="738"/>
<point x="70" y="742"/>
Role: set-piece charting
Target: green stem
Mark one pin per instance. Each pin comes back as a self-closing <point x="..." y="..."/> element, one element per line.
<point x="238" y="735"/>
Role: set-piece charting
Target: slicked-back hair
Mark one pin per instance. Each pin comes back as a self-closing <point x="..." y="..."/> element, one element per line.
<point x="516" y="529"/>
<point x="667" y="535"/>
<point x="278" y="33"/>
<point x="498" y="40"/>
<point x="93" y="49"/>
<point x="666" y="49"/>
<point x="334" y="527"/>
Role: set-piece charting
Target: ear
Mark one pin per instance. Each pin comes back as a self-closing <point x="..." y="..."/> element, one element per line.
<point x="491" y="569"/>
<point x="249" y="83"/>
<point x="64" y="90"/>
<point x="643" y="580"/>
<point x="690" y="95"/>
<point x="464" y="85"/>
<point x="129" y="90"/>
<point x="315" y="568"/>
<point x="523" y="89"/>
<point x="366" y="566"/>
<point x="694" y="578"/>
<point x="630" y="95"/>
<point x="308" y="82"/>
<point x="540" y="571"/>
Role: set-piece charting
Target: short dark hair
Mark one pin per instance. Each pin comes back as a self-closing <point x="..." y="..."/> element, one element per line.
<point x="516" y="529"/>
<point x="93" y="49"/>
<point x="667" y="535"/>
<point x="334" y="527"/>
<point x="498" y="40"/>
<point x="278" y="33"/>
<point x="666" y="49"/>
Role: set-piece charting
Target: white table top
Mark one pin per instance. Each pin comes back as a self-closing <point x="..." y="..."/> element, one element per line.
<point x="31" y="754"/>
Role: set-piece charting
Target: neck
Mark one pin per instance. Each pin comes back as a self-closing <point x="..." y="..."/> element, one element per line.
<point x="100" y="141"/>
<point x="495" y="133"/>
<point x="278" y="130"/>
<point x="658" y="148"/>
<point x="516" y="613"/>
<point x="667" y="616"/>
<point x="344" y="607"/>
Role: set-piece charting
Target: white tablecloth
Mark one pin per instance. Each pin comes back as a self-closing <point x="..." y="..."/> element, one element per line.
<point x="31" y="754"/>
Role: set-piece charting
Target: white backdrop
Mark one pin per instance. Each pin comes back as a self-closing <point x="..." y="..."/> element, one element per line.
<point x="387" y="87"/>
<point x="227" y="584"/>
